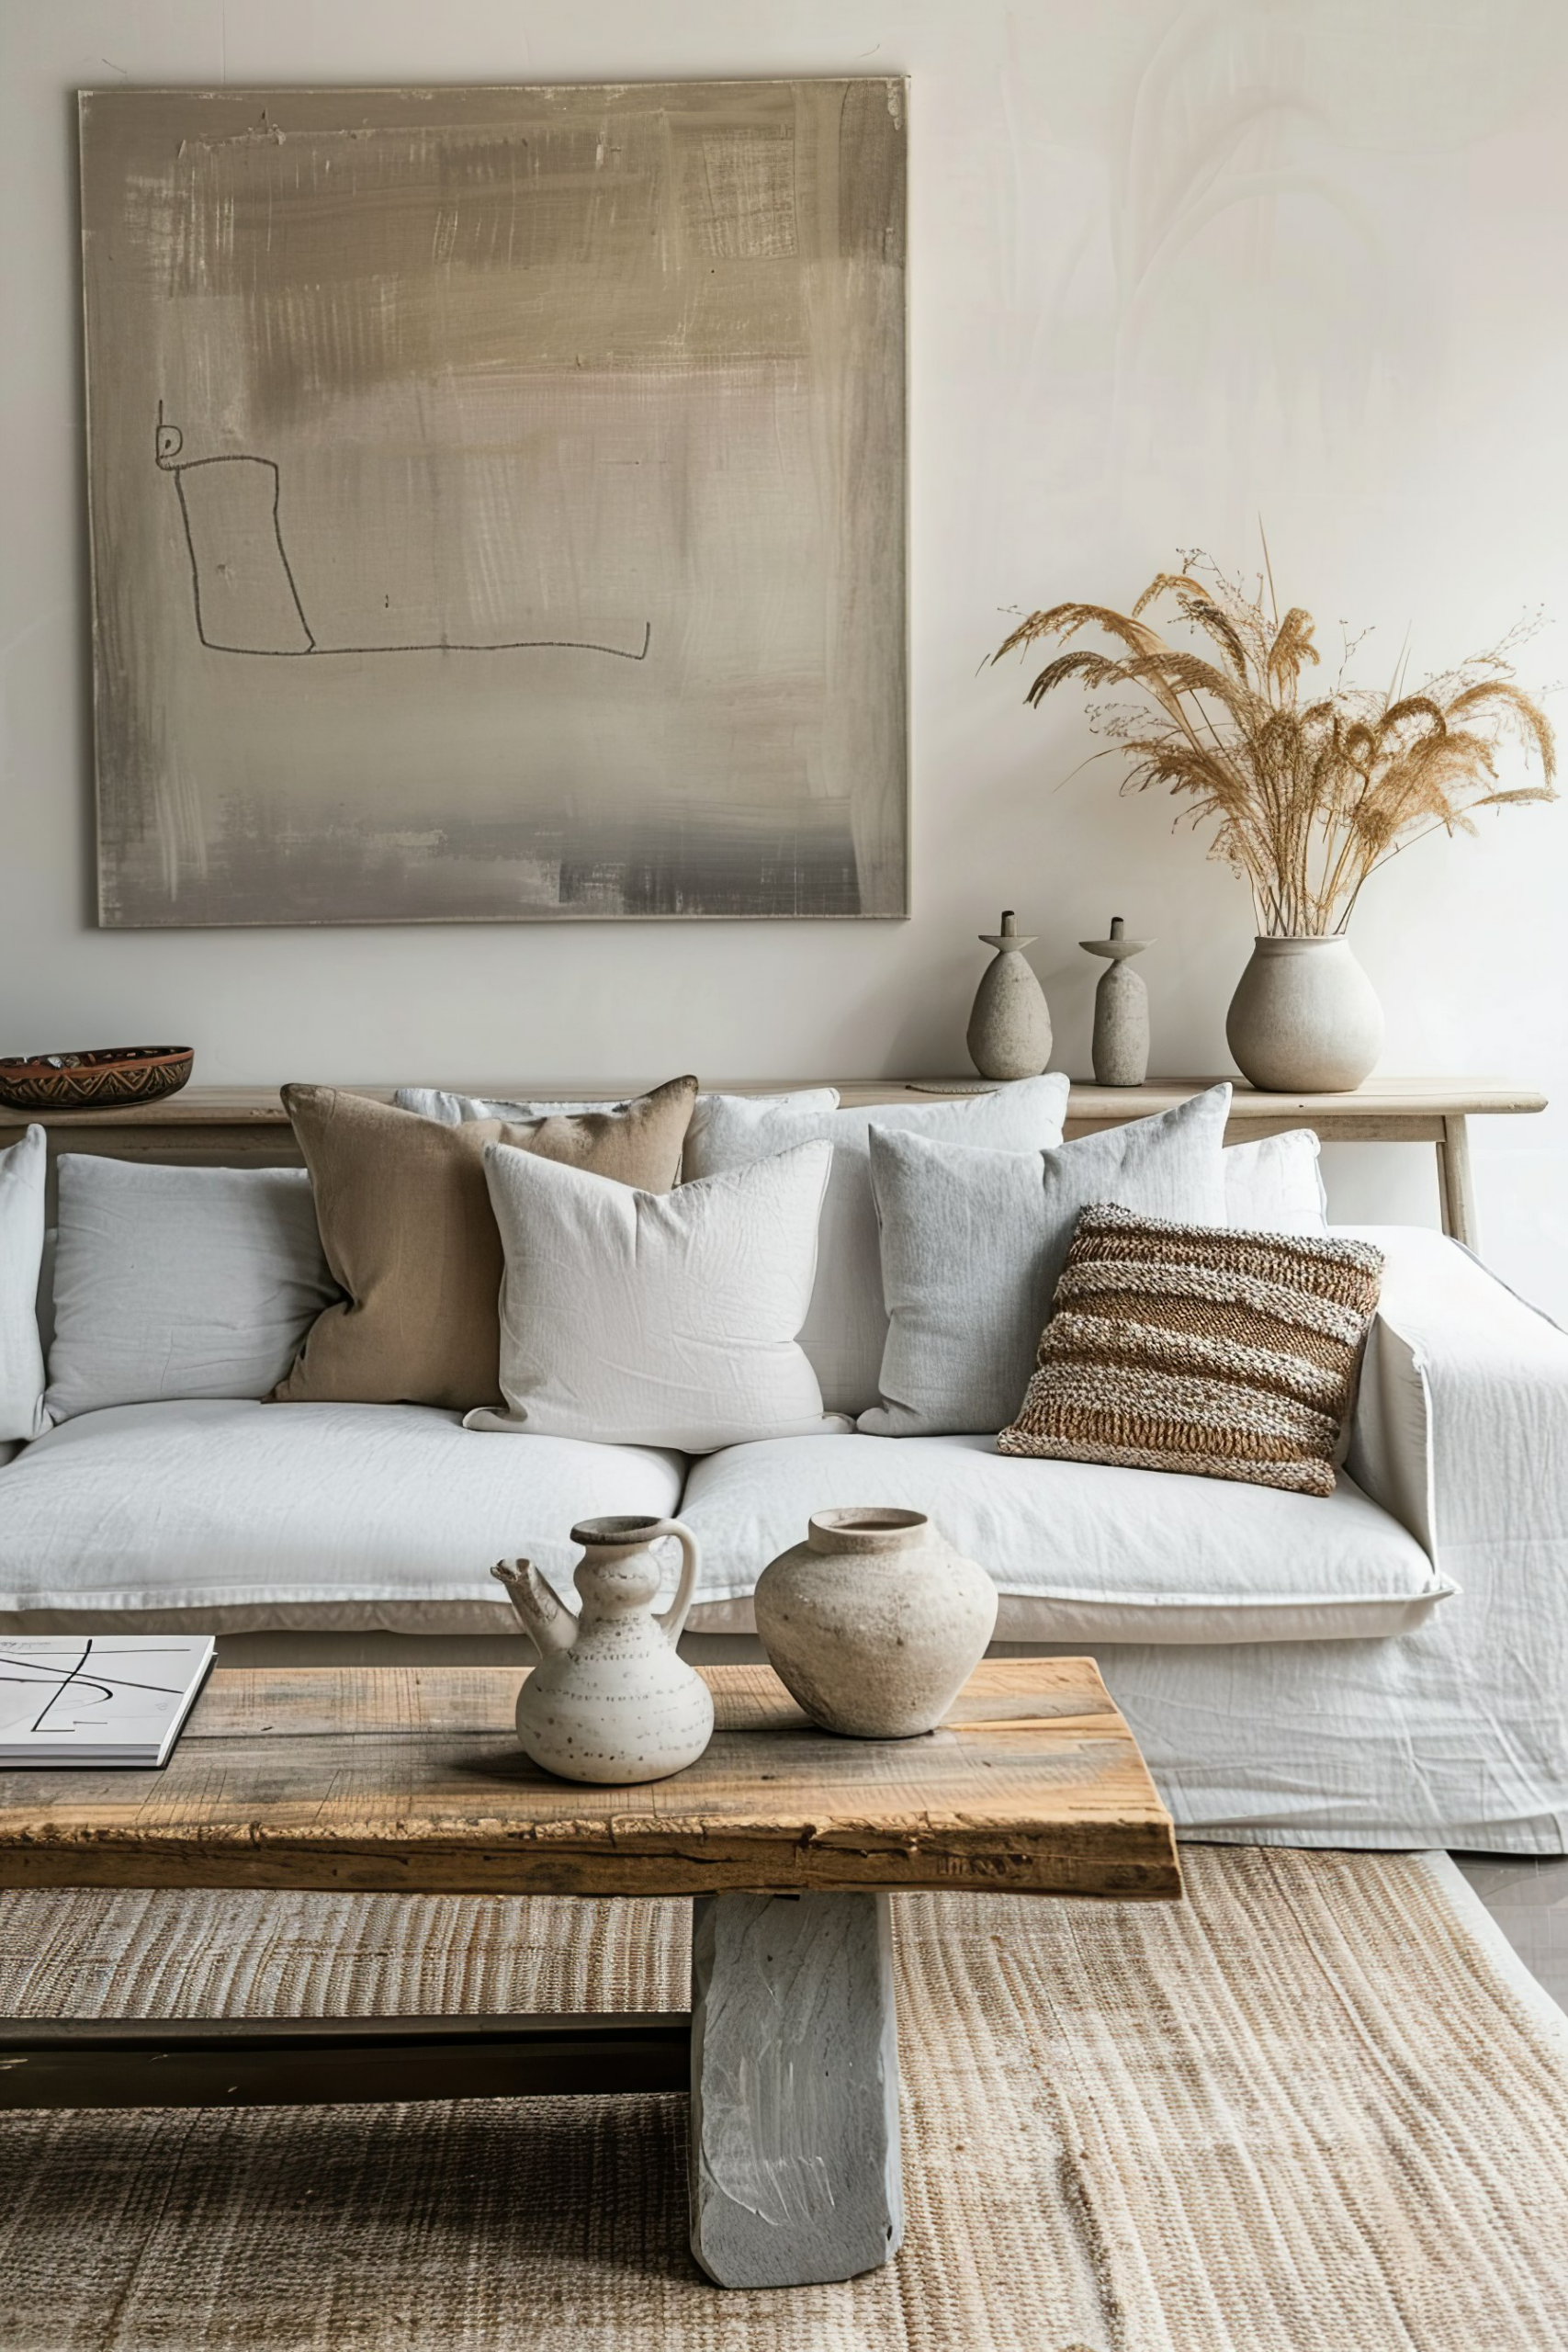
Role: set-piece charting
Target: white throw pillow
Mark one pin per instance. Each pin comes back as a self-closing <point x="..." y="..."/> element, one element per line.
<point x="23" y="1169"/>
<point x="179" y="1282"/>
<point x="459" y="1110"/>
<point x="972" y="1242"/>
<point x="657" y="1318"/>
<point x="1276" y="1185"/>
<point x="846" y="1329"/>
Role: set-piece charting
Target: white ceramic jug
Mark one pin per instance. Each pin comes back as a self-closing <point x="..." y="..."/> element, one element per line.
<point x="611" y="1699"/>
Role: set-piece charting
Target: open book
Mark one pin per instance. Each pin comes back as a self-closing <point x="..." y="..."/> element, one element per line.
<point x="97" y="1698"/>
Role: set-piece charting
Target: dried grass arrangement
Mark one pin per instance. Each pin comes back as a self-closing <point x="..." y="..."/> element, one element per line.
<point x="1310" y="795"/>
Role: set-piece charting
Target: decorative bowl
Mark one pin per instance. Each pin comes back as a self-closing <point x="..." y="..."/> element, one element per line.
<point x="100" y="1080"/>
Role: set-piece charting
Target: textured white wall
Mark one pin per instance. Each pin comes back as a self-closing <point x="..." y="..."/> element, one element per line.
<point x="1173" y="268"/>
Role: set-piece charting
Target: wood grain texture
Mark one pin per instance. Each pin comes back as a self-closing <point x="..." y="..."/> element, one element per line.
<point x="245" y="1126"/>
<point x="381" y="1778"/>
<point x="1381" y="1101"/>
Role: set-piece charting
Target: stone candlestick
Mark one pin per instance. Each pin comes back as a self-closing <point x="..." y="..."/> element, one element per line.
<point x="1009" y="1029"/>
<point x="1121" y="1011"/>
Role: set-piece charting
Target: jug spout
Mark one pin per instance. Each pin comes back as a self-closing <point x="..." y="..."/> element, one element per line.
<point x="550" y="1624"/>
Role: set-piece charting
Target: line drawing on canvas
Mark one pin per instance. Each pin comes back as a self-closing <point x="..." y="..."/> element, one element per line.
<point x="168" y="442"/>
<point x="598" y="389"/>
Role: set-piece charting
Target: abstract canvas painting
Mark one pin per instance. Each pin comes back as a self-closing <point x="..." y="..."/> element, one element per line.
<point x="497" y="502"/>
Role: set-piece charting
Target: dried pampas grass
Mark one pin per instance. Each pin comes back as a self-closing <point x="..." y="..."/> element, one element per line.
<point x="1310" y="797"/>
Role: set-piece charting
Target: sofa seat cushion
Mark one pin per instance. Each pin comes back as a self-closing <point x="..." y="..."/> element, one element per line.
<point x="240" y="1517"/>
<point x="1081" y="1552"/>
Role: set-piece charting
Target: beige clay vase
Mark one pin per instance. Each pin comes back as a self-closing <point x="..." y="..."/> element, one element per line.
<point x="1304" y="1019"/>
<point x="611" y="1701"/>
<point x="875" y="1623"/>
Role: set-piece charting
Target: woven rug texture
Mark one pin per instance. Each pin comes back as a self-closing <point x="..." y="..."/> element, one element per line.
<point x="1301" y="2113"/>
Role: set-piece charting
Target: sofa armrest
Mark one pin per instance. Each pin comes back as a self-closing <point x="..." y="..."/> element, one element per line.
<point x="1461" y="1425"/>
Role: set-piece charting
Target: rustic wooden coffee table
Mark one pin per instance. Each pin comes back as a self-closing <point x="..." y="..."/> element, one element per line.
<point x="789" y="1840"/>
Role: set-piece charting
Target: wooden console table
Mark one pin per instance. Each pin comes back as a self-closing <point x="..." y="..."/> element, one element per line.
<point x="246" y="1126"/>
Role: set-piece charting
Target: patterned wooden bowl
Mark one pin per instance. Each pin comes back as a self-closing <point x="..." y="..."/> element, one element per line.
<point x="100" y="1080"/>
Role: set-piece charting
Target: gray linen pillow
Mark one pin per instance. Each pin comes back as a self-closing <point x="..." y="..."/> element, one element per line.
<point x="846" y="1330"/>
<point x="972" y="1242"/>
<point x="22" y="1169"/>
<point x="179" y="1282"/>
<point x="451" y="1110"/>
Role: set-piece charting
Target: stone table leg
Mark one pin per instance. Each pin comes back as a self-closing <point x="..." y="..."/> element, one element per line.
<point x="794" y="2088"/>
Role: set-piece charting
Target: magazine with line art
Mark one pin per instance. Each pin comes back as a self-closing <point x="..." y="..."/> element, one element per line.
<point x="97" y="1698"/>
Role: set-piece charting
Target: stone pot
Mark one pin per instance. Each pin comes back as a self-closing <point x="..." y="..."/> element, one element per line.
<point x="1121" y="1048"/>
<point x="1009" y="1029"/>
<point x="1305" y="1019"/>
<point x="875" y="1623"/>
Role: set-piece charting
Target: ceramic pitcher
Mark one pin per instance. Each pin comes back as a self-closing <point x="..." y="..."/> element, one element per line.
<point x="611" y="1699"/>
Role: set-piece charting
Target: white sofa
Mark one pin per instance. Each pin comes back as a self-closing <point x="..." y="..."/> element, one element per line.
<point x="1387" y="1668"/>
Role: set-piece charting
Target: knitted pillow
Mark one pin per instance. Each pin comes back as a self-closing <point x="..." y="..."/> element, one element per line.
<point x="1181" y="1347"/>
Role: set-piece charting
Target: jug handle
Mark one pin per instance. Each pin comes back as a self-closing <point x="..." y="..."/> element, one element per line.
<point x="672" y="1623"/>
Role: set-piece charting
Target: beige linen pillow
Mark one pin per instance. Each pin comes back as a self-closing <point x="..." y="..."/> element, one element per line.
<point x="1178" y="1347"/>
<point x="408" y="1232"/>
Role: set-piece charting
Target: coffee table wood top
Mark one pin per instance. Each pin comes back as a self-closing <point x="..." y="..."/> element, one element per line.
<point x="396" y="1777"/>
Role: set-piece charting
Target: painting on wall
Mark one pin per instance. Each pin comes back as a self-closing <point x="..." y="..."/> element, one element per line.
<point x="497" y="502"/>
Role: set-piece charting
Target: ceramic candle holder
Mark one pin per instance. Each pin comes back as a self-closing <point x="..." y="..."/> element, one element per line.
<point x="1121" y="1011"/>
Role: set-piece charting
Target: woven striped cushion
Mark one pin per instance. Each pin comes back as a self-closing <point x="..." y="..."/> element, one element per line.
<point x="1194" y="1348"/>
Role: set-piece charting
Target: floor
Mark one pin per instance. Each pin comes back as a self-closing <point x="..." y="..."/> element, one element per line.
<point x="1529" y="1902"/>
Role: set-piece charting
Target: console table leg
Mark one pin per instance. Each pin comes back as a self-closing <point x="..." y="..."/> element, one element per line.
<point x="794" y="2088"/>
<point x="1455" y="1189"/>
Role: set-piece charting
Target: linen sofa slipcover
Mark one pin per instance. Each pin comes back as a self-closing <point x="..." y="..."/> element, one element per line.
<point x="1082" y="1553"/>
<point x="1454" y="1731"/>
<point x="240" y="1517"/>
<point x="230" y="1516"/>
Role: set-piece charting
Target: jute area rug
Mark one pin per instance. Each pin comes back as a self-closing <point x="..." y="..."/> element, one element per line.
<point x="1314" y="2108"/>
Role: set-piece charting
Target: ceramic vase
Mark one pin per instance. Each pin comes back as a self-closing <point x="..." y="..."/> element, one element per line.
<point x="1010" y="1028"/>
<point x="875" y="1623"/>
<point x="611" y="1701"/>
<point x="1305" y="1019"/>
<point x="1121" y="1050"/>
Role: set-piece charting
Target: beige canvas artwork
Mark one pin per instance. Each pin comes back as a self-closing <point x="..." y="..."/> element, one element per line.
<point x="497" y="502"/>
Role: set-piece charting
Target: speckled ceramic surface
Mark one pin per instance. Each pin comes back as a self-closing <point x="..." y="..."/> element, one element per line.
<point x="611" y="1701"/>
<point x="875" y="1622"/>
